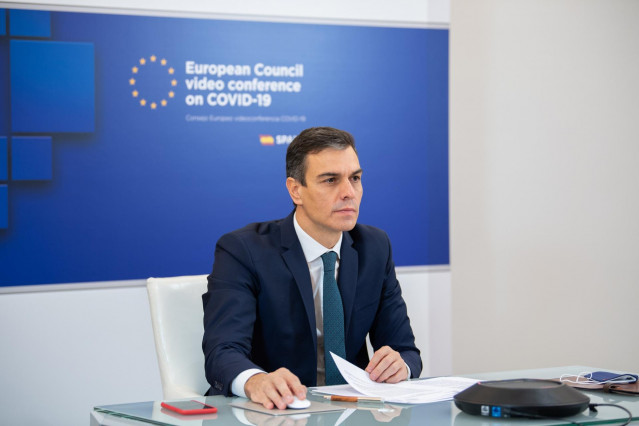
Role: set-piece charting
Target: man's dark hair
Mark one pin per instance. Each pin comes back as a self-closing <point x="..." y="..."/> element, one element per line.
<point x="312" y="141"/>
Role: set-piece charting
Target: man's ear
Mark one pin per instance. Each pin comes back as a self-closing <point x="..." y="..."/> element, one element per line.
<point x="293" y="187"/>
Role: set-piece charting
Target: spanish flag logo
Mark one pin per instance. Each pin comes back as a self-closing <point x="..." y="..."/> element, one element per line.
<point x="267" y="140"/>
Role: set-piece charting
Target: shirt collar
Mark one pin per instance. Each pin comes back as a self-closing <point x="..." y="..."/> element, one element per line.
<point x="311" y="248"/>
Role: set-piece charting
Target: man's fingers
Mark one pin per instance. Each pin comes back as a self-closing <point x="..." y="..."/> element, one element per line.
<point x="377" y="357"/>
<point x="275" y="389"/>
<point x="379" y="362"/>
<point x="391" y="369"/>
<point x="399" y="375"/>
<point x="256" y="389"/>
<point x="387" y="365"/>
<point x="380" y="372"/>
<point x="299" y="391"/>
<point x="273" y="395"/>
<point x="291" y="385"/>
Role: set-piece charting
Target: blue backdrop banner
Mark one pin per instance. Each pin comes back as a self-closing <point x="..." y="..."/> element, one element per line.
<point x="130" y="144"/>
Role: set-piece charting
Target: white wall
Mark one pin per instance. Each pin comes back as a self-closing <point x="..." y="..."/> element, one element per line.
<point x="398" y="12"/>
<point x="428" y="297"/>
<point x="63" y="352"/>
<point x="544" y="183"/>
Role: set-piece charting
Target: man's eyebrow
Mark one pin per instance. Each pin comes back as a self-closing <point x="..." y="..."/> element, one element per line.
<point x="334" y="174"/>
<point x="327" y="174"/>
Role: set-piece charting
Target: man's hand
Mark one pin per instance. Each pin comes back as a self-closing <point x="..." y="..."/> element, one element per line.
<point x="387" y="366"/>
<point x="274" y="389"/>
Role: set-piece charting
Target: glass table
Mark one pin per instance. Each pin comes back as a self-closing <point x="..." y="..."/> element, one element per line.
<point x="441" y="413"/>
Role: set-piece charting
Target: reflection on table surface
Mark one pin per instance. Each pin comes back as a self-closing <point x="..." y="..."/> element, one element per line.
<point x="442" y="413"/>
<point x="351" y="414"/>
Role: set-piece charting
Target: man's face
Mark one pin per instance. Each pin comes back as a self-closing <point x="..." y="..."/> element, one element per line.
<point x="329" y="203"/>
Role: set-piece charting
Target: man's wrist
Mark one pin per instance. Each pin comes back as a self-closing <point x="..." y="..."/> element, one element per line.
<point x="237" y="385"/>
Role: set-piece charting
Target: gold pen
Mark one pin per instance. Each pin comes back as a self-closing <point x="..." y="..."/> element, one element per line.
<point x="353" y="398"/>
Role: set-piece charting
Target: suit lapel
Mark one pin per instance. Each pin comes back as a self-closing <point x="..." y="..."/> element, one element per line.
<point x="296" y="262"/>
<point x="347" y="277"/>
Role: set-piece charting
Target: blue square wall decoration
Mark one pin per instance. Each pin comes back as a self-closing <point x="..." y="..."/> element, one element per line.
<point x="31" y="158"/>
<point x="3" y="22"/>
<point x="4" y="158"/>
<point x="4" y="206"/>
<point x="52" y="86"/>
<point x="30" y="23"/>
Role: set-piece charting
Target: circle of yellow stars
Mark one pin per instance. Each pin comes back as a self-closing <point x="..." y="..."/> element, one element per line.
<point x="135" y="70"/>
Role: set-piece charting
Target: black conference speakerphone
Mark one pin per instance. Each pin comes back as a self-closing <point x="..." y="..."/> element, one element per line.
<point x="521" y="398"/>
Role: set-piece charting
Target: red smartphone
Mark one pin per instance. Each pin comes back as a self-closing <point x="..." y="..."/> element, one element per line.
<point x="189" y="407"/>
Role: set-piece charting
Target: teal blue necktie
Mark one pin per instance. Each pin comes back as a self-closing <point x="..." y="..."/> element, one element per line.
<point x="333" y="312"/>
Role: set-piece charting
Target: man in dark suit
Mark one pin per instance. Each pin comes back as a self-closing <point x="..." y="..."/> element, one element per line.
<point x="264" y="311"/>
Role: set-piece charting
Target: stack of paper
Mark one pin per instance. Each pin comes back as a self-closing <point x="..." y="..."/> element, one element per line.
<point x="409" y="392"/>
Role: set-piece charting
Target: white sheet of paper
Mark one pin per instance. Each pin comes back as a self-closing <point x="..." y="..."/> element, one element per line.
<point x="409" y="392"/>
<point x="341" y="390"/>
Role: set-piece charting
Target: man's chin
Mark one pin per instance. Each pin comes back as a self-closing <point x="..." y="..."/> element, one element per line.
<point x="347" y="225"/>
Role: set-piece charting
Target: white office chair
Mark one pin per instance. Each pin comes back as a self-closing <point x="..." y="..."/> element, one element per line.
<point x="176" y="315"/>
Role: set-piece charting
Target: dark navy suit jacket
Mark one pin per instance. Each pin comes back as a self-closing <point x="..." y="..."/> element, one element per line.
<point x="259" y="311"/>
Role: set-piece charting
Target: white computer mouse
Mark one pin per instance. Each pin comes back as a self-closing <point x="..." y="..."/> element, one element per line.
<point x="299" y="404"/>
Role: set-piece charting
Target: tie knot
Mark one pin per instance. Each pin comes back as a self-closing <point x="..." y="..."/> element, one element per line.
<point x="329" y="259"/>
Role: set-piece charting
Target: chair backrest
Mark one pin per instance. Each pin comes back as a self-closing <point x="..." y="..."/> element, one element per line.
<point x="177" y="318"/>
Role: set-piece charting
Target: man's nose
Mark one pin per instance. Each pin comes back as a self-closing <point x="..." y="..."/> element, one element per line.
<point x="347" y="190"/>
